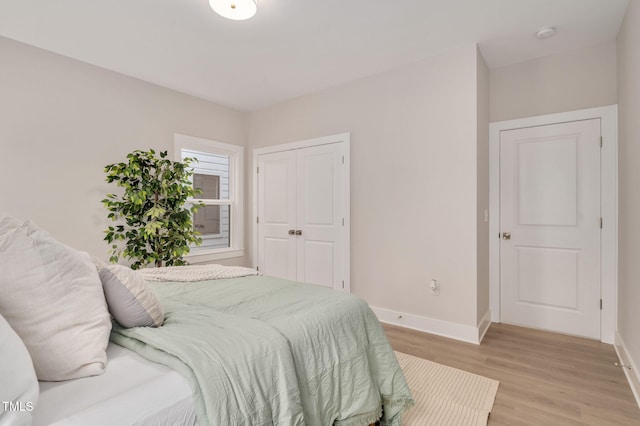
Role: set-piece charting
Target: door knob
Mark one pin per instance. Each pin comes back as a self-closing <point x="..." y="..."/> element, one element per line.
<point x="506" y="235"/>
<point x="291" y="232"/>
<point x="298" y="232"/>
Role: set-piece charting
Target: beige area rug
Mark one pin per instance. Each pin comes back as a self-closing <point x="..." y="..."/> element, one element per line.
<point x="445" y="395"/>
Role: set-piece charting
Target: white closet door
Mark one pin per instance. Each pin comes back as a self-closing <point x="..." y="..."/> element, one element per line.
<point x="277" y="214"/>
<point x="320" y="245"/>
<point x="301" y="196"/>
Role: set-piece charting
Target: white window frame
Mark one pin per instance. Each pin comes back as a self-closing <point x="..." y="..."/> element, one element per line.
<point x="236" y="163"/>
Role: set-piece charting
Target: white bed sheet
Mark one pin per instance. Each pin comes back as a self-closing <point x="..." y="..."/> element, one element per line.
<point x="132" y="391"/>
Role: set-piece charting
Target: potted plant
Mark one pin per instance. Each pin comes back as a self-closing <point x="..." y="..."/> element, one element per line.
<point x="154" y="218"/>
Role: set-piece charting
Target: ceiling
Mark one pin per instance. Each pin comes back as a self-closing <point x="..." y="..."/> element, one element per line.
<point x="294" y="47"/>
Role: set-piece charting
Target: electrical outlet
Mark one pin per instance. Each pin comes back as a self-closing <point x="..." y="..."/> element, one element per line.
<point x="434" y="288"/>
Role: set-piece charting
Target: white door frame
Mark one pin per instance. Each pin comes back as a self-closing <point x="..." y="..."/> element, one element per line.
<point x="344" y="138"/>
<point x="608" y="116"/>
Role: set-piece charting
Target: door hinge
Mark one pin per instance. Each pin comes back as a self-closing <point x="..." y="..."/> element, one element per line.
<point x="342" y="283"/>
<point x="343" y="159"/>
<point x="257" y="268"/>
<point x="257" y="220"/>
<point x="343" y="221"/>
<point x="601" y="223"/>
<point x="258" y="170"/>
<point x="601" y="143"/>
<point x="600" y="304"/>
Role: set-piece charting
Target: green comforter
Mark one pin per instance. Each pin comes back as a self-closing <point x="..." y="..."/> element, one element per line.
<point x="265" y="351"/>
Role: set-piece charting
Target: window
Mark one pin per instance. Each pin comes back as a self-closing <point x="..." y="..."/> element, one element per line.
<point x="218" y="174"/>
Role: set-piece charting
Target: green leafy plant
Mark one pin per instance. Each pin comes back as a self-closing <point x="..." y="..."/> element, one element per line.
<point x="154" y="222"/>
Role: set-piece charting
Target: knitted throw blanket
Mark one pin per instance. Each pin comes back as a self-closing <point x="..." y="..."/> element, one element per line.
<point x="196" y="273"/>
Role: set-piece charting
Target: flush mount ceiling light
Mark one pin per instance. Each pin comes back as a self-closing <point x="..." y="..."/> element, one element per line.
<point x="545" y="32"/>
<point x="237" y="10"/>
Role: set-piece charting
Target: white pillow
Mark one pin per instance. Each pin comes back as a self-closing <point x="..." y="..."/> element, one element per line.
<point x="130" y="299"/>
<point x="99" y="263"/>
<point x="7" y="226"/>
<point x="19" y="391"/>
<point x="52" y="297"/>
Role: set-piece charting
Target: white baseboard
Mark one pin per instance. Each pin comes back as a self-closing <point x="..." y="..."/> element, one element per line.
<point x="484" y="325"/>
<point x="633" y="374"/>
<point x="448" y="329"/>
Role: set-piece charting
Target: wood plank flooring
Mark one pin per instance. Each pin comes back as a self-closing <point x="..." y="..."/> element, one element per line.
<point x="545" y="378"/>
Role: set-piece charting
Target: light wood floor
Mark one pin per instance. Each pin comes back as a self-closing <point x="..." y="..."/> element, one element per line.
<point x="545" y="378"/>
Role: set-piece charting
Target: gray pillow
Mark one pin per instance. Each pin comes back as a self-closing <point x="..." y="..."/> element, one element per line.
<point x="130" y="299"/>
<point x="19" y="390"/>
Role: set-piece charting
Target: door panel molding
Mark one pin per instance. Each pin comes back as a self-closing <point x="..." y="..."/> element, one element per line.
<point x="608" y="198"/>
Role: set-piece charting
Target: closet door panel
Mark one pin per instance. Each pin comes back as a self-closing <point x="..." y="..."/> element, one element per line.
<point x="319" y="215"/>
<point x="277" y="214"/>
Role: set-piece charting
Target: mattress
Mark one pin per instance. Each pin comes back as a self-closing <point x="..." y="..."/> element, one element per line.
<point x="132" y="391"/>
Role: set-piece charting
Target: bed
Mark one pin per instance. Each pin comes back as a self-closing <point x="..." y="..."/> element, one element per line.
<point x="132" y="391"/>
<point x="242" y="349"/>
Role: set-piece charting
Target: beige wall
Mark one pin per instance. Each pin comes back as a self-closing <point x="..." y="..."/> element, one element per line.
<point x="413" y="179"/>
<point x="629" y="177"/>
<point x="482" y="162"/>
<point x="64" y="120"/>
<point x="414" y="165"/>
<point x="570" y="81"/>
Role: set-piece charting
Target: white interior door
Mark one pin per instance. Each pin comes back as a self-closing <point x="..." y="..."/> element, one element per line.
<point x="320" y="246"/>
<point x="277" y="214"/>
<point x="550" y="211"/>
<point x="301" y="214"/>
